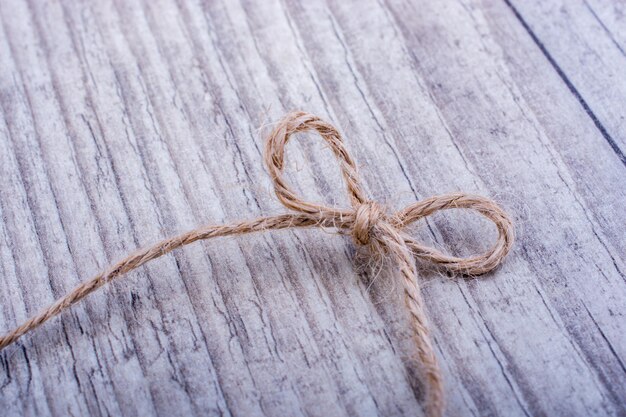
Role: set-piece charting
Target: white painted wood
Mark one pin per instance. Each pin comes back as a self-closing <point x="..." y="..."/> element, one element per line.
<point x="584" y="40"/>
<point x="124" y="122"/>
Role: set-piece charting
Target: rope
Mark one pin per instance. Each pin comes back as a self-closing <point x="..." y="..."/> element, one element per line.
<point x="368" y="223"/>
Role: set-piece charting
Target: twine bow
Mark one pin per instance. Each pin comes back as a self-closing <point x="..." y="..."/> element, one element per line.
<point x="366" y="221"/>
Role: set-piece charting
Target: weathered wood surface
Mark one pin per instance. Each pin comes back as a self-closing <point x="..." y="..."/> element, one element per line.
<point x="127" y="121"/>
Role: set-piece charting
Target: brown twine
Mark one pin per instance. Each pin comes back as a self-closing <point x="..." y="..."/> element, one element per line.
<point x="367" y="222"/>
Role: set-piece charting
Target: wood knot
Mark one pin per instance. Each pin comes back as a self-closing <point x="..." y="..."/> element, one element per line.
<point x="367" y="216"/>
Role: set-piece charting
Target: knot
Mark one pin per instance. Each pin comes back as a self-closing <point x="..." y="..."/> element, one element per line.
<point x="367" y="216"/>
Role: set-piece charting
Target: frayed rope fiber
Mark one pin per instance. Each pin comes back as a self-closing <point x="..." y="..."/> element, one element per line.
<point x="366" y="221"/>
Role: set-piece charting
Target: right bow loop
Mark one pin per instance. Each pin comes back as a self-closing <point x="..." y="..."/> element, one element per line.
<point x="473" y="265"/>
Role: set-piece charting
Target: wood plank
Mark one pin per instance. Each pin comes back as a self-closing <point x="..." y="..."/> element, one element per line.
<point x="124" y="122"/>
<point x="486" y="158"/>
<point x="588" y="54"/>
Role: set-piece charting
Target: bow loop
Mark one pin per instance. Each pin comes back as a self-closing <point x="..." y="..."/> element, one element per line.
<point x="296" y="122"/>
<point x="473" y="265"/>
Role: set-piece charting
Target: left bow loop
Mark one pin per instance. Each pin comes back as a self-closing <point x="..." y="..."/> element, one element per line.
<point x="274" y="156"/>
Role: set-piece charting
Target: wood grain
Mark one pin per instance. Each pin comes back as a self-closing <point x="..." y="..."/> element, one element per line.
<point x="127" y="121"/>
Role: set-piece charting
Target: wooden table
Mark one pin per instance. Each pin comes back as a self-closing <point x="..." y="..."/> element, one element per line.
<point x="127" y="121"/>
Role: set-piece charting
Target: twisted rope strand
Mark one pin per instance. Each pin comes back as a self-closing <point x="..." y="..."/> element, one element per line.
<point x="366" y="221"/>
<point x="142" y="256"/>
